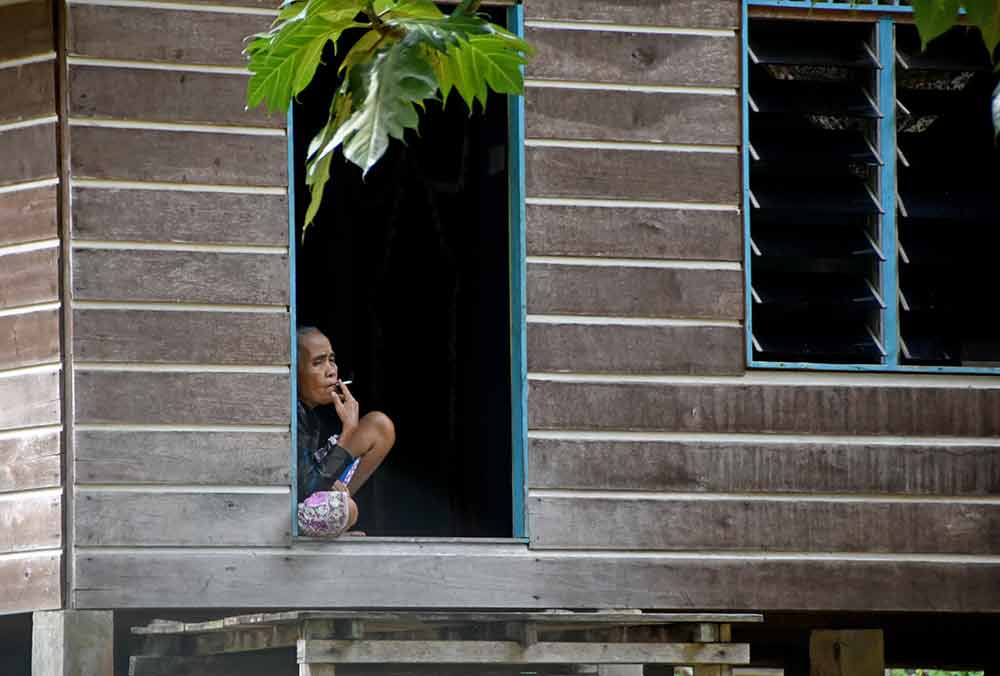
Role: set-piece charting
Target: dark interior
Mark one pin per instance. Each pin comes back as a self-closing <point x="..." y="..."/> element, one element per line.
<point x="408" y="272"/>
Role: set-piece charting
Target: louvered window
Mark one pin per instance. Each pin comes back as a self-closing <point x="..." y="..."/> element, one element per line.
<point x="871" y="196"/>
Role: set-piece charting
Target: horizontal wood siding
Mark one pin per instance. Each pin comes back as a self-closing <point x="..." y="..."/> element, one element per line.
<point x="231" y="458"/>
<point x="29" y="339"/>
<point x="35" y="87"/>
<point x="30" y="400"/>
<point x="30" y="521"/>
<point x="181" y="337"/>
<point x="29" y="154"/>
<point x="179" y="157"/>
<point x="28" y="215"/>
<point x="625" y="291"/>
<point x="182" y="398"/>
<point x="29" y="278"/>
<point x="768" y="525"/>
<point x="529" y="580"/>
<point x="30" y="582"/>
<point x="30" y="460"/>
<point x="181" y="519"/>
<point x="685" y="13"/>
<point x="26" y="29"/>
<point x="635" y="349"/>
<point x="181" y="276"/>
<point x="174" y="216"/>
<point x="766" y="466"/>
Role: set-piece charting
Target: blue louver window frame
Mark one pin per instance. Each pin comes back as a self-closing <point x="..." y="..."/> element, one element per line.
<point x="884" y="14"/>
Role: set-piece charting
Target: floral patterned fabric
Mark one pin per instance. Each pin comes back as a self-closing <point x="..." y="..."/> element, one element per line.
<point x="323" y="514"/>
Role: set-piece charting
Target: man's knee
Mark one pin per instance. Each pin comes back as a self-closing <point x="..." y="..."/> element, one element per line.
<point x="384" y="425"/>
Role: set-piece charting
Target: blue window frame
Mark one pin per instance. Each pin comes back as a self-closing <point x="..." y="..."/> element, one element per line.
<point x="517" y="306"/>
<point x="889" y="318"/>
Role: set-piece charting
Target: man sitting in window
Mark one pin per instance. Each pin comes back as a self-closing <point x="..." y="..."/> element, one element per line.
<point x="326" y="508"/>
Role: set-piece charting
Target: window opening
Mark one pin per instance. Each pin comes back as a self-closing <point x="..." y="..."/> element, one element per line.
<point x="408" y="271"/>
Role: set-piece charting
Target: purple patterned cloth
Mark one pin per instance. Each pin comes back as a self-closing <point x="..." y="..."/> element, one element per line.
<point x="324" y="514"/>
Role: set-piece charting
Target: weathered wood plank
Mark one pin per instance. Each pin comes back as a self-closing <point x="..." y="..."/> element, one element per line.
<point x="851" y="651"/>
<point x="182" y="398"/>
<point x="793" y="409"/>
<point x="32" y="88"/>
<point x="29" y="277"/>
<point x="173" y="36"/>
<point x="29" y="339"/>
<point x="28" y="215"/>
<point x="29" y="154"/>
<point x="172" y="216"/>
<point x="30" y="521"/>
<point x="634" y="58"/>
<point x="763" y="525"/>
<point x="30" y="399"/>
<point x="225" y="458"/>
<point x="30" y="460"/>
<point x="181" y="337"/>
<point x="679" y="234"/>
<point x="73" y="643"/>
<point x="678" y="13"/>
<point x="181" y="519"/>
<point x="632" y="116"/>
<point x="525" y="580"/>
<point x="269" y="663"/>
<point x="633" y="175"/>
<point x="511" y="652"/>
<point x="26" y="29"/>
<point x="765" y="467"/>
<point x="30" y="583"/>
<point x="197" y="277"/>
<point x="635" y="349"/>
<point x="164" y="96"/>
<point x="179" y="156"/>
<point x="635" y="291"/>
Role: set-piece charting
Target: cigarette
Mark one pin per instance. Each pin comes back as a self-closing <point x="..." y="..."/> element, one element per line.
<point x="346" y="382"/>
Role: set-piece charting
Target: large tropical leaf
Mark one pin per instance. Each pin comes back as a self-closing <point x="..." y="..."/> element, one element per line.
<point x="284" y="59"/>
<point x="934" y="17"/>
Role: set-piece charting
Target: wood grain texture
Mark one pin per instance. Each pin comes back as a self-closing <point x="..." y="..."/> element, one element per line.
<point x="633" y="175"/>
<point x="498" y="580"/>
<point x="182" y="398"/>
<point x="762" y="525"/>
<point x="221" y="458"/>
<point x="179" y="157"/>
<point x="30" y="400"/>
<point x="30" y="460"/>
<point x="28" y="215"/>
<point x="632" y="116"/>
<point x="28" y="278"/>
<point x="172" y="36"/>
<point x="790" y="409"/>
<point x="31" y="91"/>
<point x="26" y="29"/>
<point x="635" y="291"/>
<point x="28" y="154"/>
<point x="29" y="339"/>
<point x="181" y="276"/>
<point x="181" y="337"/>
<point x="678" y="234"/>
<point x="676" y="13"/>
<point x="30" y="521"/>
<point x="181" y="519"/>
<point x="164" y="96"/>
<point x="765" y="467"/>
<point x="634" y="58"/>
<point x="30" y="583"/>
<point x="635" y="349"/>
<point x="172" y="216"/>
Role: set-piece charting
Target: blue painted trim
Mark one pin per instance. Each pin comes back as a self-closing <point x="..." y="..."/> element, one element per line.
<point x="293" y="322"/>
<point x="877" y="368"/>
<point x="745" y="121"/>
<point x="855" y="6"/>
<point x="518" y="304"/>
<point x="887" y="188"/>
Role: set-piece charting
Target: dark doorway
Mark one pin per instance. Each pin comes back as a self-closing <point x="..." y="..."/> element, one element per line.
<point x="408" y="273"/>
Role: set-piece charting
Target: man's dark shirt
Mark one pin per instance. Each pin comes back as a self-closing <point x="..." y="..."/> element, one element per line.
<point x="314" y="431"/>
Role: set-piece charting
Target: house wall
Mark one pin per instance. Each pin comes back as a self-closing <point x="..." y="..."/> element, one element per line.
<point x="30" y="393"/>
<point x="661" y="473"/>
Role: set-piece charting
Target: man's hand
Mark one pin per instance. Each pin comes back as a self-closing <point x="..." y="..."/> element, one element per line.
<point x="347" y="411"/>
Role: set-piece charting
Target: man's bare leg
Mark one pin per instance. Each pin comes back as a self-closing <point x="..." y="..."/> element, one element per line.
<point x="371" y="441"/>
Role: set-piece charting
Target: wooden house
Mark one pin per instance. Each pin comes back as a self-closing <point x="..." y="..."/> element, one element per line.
<point x="678" y="435"/>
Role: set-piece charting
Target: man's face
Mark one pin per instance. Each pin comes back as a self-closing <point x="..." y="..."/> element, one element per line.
<point x="317" y="370"/>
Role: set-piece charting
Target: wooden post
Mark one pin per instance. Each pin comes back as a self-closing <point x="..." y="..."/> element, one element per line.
<point x="847" y="653"/>
<point x="73" y="643"/>
<point x="619" y="670"/>
<point x="317" y="669"/>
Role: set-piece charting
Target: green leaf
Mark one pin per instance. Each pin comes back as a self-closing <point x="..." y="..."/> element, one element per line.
<point x="321" y="154"/>
<point x="415" y="9"/>
<point x="284" y="60"/>
<point x="364" y="49"/>
<point x="986" y="17"/>
<point x="934" y="17"/>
